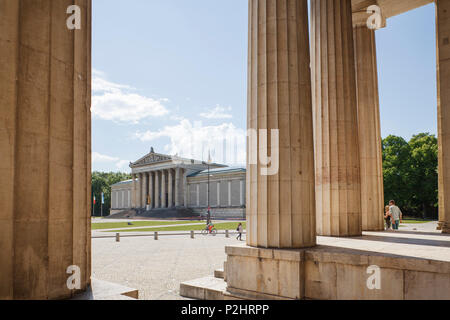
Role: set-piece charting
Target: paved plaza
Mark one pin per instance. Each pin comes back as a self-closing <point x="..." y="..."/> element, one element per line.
<point x="157" y="268"/>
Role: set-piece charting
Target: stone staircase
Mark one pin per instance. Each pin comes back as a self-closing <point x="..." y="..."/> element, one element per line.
<point x="172" y="213"/>
<point x="207" y="288"/>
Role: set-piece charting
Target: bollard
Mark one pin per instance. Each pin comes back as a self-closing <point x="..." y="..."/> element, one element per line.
<point x="156" y="235"/>
<point x="227" y="233"/>
<point x="117" y="237"/>
<point x="192" y="234"/>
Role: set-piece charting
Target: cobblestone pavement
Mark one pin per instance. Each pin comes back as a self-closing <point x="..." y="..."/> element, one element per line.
<point x="157" y="268"/>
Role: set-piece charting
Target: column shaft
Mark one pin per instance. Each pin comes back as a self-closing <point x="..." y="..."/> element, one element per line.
<point x="45" y="189"/>
<point x="134" y="189"/>
<point x="170" y="188"/>
<point x="177" y="187"/>
<point x="145" y="190"/>
<point x="280" y="207"/>
<point x="338" y="188"/>
<point x="157" y="190"/>
<point x="369" y="129"/>
<point x="184" y="188"/>
<point x="151" y="184"/>
<point x="443" y="82"/>
<point x="139" y="191"/>
<point x="163" y="189"/>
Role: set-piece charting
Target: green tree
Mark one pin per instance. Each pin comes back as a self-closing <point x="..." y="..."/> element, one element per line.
<point x="424" y="174"/>
<point x="396" y="170"/>
<point x="410" y="173"/>
<point x="101" y="183"/>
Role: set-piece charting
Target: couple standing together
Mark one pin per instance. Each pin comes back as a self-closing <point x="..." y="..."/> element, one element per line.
<point x="393" y="216"/>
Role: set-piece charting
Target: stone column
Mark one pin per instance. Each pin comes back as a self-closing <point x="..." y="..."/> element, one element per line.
<point x="139" y="191"/>
<point x="443" y="74"/>
<point x="184" y="190"/>
<point x="177" y="187"/>
<point x="151" y="188"/>
<point x="45" y="143"/>
<point x="157" y="190"/>
<point x="144" y="190"/>
<point x="134" y="189"/>
<point x="281" y="207"/>
<point x="163" y="189"/>
<point x="170" y="188"/>
<point x="338" y="188"/>
<point x="369" y="129"/>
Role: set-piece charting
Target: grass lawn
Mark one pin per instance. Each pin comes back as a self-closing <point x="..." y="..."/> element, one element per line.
<point x="232" y="226"/>
<point x="414" y="221"/>
<point x="119" y="225"/>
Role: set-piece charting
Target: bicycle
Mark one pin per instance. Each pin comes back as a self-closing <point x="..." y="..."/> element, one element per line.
<point x="207" y="231"/>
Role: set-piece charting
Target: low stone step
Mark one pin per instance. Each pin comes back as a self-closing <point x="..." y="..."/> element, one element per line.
<point x="208" y="288"/>
<point x="219" y="274"/>
<point x="104" y="290"/>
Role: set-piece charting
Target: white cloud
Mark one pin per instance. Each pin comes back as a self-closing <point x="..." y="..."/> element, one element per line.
<point x="101" y="158"/>
<point x="98" y="158"/>
<point x="218" y="112"/>
<point x="226" y="142"/>
<point x="117" y="102"/>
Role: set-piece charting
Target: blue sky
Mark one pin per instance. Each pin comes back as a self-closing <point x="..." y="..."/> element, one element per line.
<point x="172" y="74"/>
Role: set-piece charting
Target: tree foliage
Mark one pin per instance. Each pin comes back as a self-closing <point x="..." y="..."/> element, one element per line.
<point x="102" y="182"/>
<point x="410" y="173"/>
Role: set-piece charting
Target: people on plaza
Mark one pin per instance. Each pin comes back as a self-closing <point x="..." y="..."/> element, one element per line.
<point x="387" y="217"/>
<point x="239" y="229"/>
<point x="396" y="215"/>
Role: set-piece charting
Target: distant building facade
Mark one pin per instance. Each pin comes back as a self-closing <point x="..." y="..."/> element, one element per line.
<point x="163" y="182"/>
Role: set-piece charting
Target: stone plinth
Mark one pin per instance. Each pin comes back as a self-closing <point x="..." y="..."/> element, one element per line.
<point x="256" y="273"/>
<point x="412" y="267"/>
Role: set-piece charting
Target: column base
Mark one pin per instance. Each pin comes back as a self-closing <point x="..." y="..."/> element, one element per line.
<point x="444" y="227"/>
<point x="261" y="274"/>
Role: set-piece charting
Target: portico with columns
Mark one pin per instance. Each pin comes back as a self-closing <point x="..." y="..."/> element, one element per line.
<point x="160" y="181"/>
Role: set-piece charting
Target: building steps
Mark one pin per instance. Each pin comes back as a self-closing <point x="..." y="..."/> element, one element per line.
<point x="172" y="213"/>
<point x="207" y="288"/>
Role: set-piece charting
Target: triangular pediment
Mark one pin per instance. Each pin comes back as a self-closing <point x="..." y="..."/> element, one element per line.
<point x="151" y="158"/>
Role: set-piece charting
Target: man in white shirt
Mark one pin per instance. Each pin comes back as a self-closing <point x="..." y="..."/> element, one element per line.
<point x="396" y="214"/>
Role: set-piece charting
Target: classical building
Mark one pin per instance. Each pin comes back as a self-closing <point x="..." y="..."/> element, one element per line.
<point x="327" y="190"/>
<point x="169" y="182"/>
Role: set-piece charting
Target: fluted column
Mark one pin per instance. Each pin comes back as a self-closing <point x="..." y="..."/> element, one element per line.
<point x="45" y="143"/>
<point x="280" y="207"/>
<point x="338" y="188"/>
<point x="145" y="190"/>
<point x="139" y="191"/>
<point x="184" y="190"/>
<point x="369" y="129"/>
<point x="443" y="74"/>
<point x="170" y="188"/>
<point x="157" y="189"/>
<point x="134" y="195"/>
<point x="177" y="187"/>
<point x="163" y="189"/>
<point x="151" y="192"/>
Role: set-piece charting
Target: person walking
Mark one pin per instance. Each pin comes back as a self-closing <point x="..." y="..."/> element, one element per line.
<point x="239" y="229"/>
<point x="387" y="217"/>
<point x="396" y="215"/>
